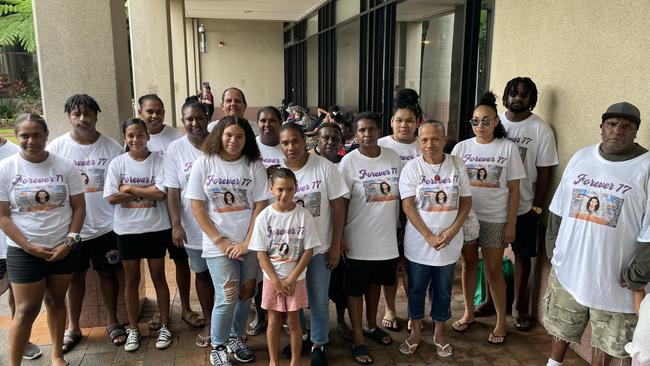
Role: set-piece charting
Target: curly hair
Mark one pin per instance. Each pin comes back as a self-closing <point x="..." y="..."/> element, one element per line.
<point x="213" y="145"/>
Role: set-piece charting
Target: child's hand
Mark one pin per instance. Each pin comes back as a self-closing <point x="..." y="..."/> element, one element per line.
<point x="279" y="286"/>
<point x="291" y="285"/>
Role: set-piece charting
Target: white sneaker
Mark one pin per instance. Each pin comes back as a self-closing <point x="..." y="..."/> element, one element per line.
<point x="132" y="340"/>
<point x="219" y="356"/>
<point x="164" y="337"/>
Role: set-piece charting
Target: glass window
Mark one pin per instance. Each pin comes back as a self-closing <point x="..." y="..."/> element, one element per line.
<point x="312" y="25"/>
<point x="347" y="66"/>
<point x="312" y="73"/>
<point x="345" y="9"/>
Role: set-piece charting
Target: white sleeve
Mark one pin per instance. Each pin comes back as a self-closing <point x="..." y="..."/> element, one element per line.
<point x="408" y="180"/>
<point x="261" y="182"/>
<point x="5" y="184"/>
<point x="112" y="183"/>
<point x="74" y="183"/>
<point x="515" y="167"/>
<point x="160" y="175"/>
<point x="463" y="179"/>
<point x="644" y="234"/>
<point x="194" y="189"/>
<point x="171" y="169"/>
<point x="345" y="174"/>
<point x="311" y="232"/>
<point x="334" y="183"/>
<point x="546" y="150"/>
<point x="259" y="239"/>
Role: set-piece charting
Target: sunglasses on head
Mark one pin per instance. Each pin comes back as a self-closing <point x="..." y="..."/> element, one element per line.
<point x="485" y="121"/>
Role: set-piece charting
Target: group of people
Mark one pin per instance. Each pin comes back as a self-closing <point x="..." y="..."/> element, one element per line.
<point x="254" y="213"/>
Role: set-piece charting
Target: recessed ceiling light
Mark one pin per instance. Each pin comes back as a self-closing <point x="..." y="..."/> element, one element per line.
<point x="247" y="11"/>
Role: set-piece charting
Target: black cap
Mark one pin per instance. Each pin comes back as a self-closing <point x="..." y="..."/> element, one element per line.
<point x="625" y="110"/>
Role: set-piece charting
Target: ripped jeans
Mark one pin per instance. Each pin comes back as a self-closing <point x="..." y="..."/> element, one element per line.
<point x="229" y="313"/>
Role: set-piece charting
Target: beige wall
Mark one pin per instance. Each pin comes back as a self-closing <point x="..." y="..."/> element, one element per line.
<point x="251" y="59"/>
<point x="583" y="56"/>
<point x="179" y="56"/>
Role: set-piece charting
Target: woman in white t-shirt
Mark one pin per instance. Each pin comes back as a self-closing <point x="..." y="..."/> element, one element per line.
<point x="228" y="187"/>
<point x="42" y="237"/>
<point x="494" y="167"/>
<point x="134" y="184"/>
<point x="406" y="115"/>
<point x="186" y="233"/>
<point x="152" y="111"/>
<point x="436" y="198"/>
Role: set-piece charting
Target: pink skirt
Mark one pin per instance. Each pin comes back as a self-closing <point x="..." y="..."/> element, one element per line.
<point x="273" y="300"/>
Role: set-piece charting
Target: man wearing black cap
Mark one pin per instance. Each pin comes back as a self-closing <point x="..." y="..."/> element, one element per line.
<point x="599" y="224"/>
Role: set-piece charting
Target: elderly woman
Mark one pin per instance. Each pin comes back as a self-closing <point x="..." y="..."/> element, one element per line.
<point x="42" y="241"/>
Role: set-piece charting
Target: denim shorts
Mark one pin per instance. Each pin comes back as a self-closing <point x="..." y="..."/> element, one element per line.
<point x="197" y="263"/>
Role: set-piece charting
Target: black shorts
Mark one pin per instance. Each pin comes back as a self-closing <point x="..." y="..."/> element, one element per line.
<point x="151" y="245"/>
<point x="525" y="243"/>
<point x="336" y="290"/>
<point x="26" y="268"/>
<point x="102" y="252"/>
<point x="361" y="274"/>
<point x="176" y="252"/>
<point x="3" y="268"/>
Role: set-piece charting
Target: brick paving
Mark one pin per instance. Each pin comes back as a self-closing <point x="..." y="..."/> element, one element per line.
<point x="470" y="348"/>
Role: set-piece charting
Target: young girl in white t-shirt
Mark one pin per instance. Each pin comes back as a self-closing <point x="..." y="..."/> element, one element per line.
<point x="134" y="184"/>
<point x="284" y="237"/>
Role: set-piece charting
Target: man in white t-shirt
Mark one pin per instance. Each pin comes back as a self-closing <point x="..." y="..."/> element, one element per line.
<point x="538" y="152"/>
<point x="269" y="122"/>
<point x="599" y="218"/>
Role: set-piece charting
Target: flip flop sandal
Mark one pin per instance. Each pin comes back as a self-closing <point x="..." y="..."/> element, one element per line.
<point x="359" y="351"/>
<point x="444" y="351"/>
<point x="392" y="325"/>
<point x="521" y="323"/>
<point x="194" y="319"/>
<point x="493" y="339"/>
<point x="70" y="340"/>
<point x="378" y="336"/>
<point x="459" y="327"/>
<point x="114" y="332"/>
<point x="154" y="323"/>
<point x="408" y="349"/>
<point x="201" y="341"/>
<point x="255" y="327"/>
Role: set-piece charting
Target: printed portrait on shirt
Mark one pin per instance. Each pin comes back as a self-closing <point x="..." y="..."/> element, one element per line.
<point x="40" y="198"/>
<point x="383" y="189"/>
<point x="522" y="153"/>
<point x="93" y="179"/>
<point x="229" y="200"/>
<point x="486" y="176"/>
<point x="310" y="201"/>
<point x="596" y="207"/>
<point x="440" y="198"/>
<point x="140" y="202"/>
<point x="283" y="249"/>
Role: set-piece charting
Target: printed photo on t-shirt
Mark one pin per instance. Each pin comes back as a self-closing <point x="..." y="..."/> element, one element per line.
<point x="226" y="200"/>
<point x="140" y="202"/>
<point x="486" y="176"/>
<point x="384" y="189"/>
<point x="40" y="198"/>
<point x="437" y="199"/>
<point x="596" y="207"/>
<point x="310" y="201"/>
<point x="93" y="179"/>
<point x="283" y="249"/>
<point x="522" y="153"/>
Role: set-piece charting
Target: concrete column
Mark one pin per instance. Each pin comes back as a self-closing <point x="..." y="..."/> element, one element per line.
<point x="179" y="55"/>
<point x="191" y="47"/>
<point x="82" y="47"/>
<point x="151" y="55"/>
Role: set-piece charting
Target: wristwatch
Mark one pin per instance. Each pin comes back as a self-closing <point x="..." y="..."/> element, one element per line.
<point x="72" y="240"/>
<point x="538" y="210"/>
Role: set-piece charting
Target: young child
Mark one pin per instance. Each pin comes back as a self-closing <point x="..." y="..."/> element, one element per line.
<point x="638" y="348"/>
<point x="284" y="237"/>
<point x="134" y="184"/>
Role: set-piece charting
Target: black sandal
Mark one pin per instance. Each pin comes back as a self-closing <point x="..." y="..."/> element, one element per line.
<point x="114" y="332"/>
<point x="362" y="350"/>
<point x="378" y="335"/>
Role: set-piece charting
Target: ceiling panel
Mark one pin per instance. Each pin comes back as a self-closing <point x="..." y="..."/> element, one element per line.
<point x="278" y="10"/>
<point x="415" y="10"/>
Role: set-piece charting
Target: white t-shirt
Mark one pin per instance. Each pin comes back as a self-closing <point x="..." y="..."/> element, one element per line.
<point x="178" y="166"/>
<point x="318" y="183"/>
<point x="605" y="209"/>
<point x="271" y="155"/>
<point x="373" y="211"/>
<point x="140" y="215"/>
<point x="253" y="124"/>
<point x="92" y="161"/>
<point x="6" y="150"/>
<point x="437" y="202"/>
<point x="284" y="236"/>
<point x="536" y="144"/>
<point x="231" y="189"/>
<point x="39" y="197"/>
<point x="158" y="143"/>
<point x="490" y="167"/>
<point x="406" y="152"/>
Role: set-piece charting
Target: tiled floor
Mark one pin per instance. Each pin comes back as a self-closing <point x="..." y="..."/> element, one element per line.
<point x="471" y="348"/>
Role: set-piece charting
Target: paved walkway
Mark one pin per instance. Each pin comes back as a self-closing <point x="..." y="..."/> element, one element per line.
<point x="471" y="348"/>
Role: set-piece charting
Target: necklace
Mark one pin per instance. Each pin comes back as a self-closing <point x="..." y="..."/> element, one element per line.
<point x="436" y="177"/>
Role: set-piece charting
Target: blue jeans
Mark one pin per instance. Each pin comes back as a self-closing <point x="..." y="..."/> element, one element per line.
<point x="318" y="283"/>
<point x="439" y="280"/>
<point x="229" y="313"/>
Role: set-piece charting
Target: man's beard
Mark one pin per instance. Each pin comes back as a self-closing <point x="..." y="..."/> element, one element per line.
<point x="517" y="108"/>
